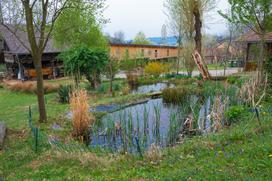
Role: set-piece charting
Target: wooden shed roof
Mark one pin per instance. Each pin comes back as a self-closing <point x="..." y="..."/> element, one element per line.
<point x="142" y="46"/>
<point x="16" y="38"/>
<point x="252" y="37"/>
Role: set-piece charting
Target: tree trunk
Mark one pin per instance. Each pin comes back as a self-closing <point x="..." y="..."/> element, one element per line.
<point x="111" y="76"/>
<point x="262" y="58"/>
<point x="198" y="26"/>
<point x="227" y="52"/>
<point x="40" y="90"/>
<point x="178" y="59"/>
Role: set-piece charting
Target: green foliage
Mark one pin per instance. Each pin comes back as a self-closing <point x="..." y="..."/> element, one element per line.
<point x="116" y="87"/>
<point x="64" y="93"/>
<point x="176" y="95"/>
<point x="80" y="25"/>
<point x="141" y="39"/>
<point x="82" y="60"/>
<point x="247" y="12"/>
<point x="236" y="80"/>
<point x="177" y="76"/>
<point x="234" y="113"/>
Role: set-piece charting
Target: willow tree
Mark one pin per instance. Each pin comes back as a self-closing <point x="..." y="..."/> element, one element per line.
<point x="186" y="21"/>
<point x="37" y="18"/>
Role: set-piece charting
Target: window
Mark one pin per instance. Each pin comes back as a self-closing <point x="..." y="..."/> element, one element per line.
<point x="156" y="53"/>
<point x="168" y="53"/>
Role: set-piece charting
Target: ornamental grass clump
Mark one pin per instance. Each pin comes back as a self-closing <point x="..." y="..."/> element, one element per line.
<point x="82" y="119"/>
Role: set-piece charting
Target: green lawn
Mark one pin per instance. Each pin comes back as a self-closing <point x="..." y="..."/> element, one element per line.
<point x="240" y="152"/>
<point x="14" y="107"/>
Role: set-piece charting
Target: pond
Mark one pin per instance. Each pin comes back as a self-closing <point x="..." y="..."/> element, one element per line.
<point x="138" y="126"/>
<point x="143" y="89"/>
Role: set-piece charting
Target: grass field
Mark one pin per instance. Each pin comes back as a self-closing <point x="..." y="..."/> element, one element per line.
<point x="242" y="151"/>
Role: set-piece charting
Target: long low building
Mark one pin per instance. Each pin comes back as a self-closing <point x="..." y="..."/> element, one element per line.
<point x="20" y="65"/>
<point x="135" y="51"/>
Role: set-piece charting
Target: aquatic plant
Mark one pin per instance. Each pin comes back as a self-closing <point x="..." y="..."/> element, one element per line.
<point x="174" y="128"/>
<point x="175" y="95"/>
<point x="156" y="128"/>
<point x="132" y="79"/>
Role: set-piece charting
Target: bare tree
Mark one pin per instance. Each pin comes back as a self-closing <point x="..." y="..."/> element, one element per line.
<point x="37" y="18"/>
<point x="119" y="37"/>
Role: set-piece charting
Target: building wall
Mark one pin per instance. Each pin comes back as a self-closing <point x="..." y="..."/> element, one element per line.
<point x="119" y="52"/>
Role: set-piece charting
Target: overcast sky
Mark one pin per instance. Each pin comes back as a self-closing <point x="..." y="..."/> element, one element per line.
<point x="132" y="16"/>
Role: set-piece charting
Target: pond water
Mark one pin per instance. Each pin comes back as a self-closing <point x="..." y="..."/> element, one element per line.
<point x="139" y="126"/>
<point x="143" y="89"/>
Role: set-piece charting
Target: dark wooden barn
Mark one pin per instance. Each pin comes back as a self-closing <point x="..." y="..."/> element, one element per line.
<point x="19" y="61"/>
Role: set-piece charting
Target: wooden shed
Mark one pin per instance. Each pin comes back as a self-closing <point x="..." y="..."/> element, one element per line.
<point x="18" y="60"/>
<point x="252" y="43"/>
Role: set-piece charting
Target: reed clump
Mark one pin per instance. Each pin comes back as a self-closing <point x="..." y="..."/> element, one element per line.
<point x="132" y="79"/>
<point x="175" y="95"/>
<point x="82" y="119"/>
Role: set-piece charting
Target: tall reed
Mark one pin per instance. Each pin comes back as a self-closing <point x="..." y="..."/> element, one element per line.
<point x="82" y="119"/>
<point x="156" y="128"/>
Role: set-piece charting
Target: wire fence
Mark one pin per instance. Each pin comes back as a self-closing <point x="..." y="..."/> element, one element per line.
<point x="41" y="140"/>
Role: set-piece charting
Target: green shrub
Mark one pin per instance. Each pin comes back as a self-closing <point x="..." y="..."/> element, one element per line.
<point x="102" y="89"/>
<point x="175" y="95"/>
<point x="232" y="79"/>
<point x="234" y="113"/>
<point x="116" y="87"/>
<point x="155" y="69"/>
<point x="177" y="76"/>
<point x="64" y="93"/>
<point x="236" y="80"/>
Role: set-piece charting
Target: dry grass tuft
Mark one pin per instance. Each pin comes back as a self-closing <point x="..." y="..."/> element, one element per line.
<point x="82" y="118"/>
<point x="251" y="90"/>
<point x="153" y="154"/>
<point x="218" y="111"/>
<point x="30" y="87"/>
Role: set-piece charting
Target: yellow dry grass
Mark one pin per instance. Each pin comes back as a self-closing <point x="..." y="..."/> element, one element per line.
<point x="29" y="86"/>
<point x="82" y="119"/>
